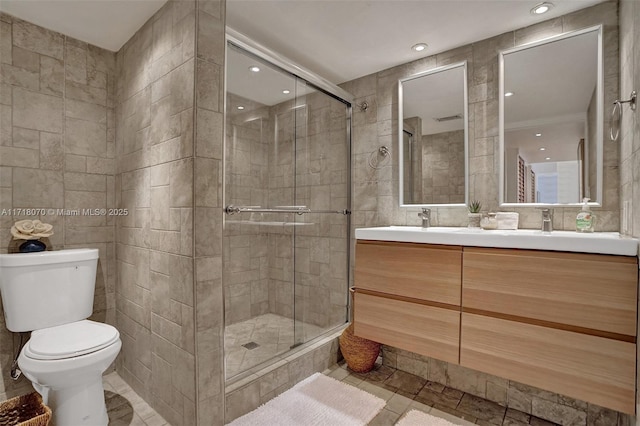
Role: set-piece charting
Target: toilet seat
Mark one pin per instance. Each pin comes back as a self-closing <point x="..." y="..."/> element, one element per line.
<point x="70" y="340"/>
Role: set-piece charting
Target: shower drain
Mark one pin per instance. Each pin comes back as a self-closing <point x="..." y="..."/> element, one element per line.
<point x="251" y="345"/>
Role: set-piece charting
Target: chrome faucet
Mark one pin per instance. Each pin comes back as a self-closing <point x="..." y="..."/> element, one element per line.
<point x="426" y="217"/>
<point x="547" y="220"/>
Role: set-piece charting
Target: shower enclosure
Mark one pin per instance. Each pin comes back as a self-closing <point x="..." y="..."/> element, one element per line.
<point x="287" y="198"/>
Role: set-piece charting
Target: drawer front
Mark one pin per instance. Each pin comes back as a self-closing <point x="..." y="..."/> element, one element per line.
<point x="418" y="271"/>
<point x="594" y="369"/>
<point x="426" y="330"/>
<point x="596" y="292"/>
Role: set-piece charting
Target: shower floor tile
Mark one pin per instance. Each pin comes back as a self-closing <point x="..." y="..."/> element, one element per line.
<point x="268" y="335"/>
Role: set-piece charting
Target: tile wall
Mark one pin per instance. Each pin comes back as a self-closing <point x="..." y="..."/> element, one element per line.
<point x="209" y="137"/>
<point x="376" y="191"/>
<point x="169" y="146"/>
<point x="630" y="125"/>
<point x="57" y="153"/>
<point x="154" y="181"/>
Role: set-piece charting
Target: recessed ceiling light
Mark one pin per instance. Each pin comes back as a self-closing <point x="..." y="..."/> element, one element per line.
<point x="548" y="158"/>
<point x="419" y="47"/>
<point x="240" y="107"/>
<point x="508" y="94"/>
<point x="542" y="149"/>
<point x="254" y="68"/>
<point x="538" y="135"/>
<point x="541" y="8"/>
<point x="286" y="92"/>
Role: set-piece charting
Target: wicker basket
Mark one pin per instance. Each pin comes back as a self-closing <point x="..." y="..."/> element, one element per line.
<point x="360" y="354"/>
<point x="25" y="410"/>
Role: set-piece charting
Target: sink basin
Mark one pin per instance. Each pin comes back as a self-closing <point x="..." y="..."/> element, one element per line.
<point x="597" y="242"/>
<point x="431" y="229"/>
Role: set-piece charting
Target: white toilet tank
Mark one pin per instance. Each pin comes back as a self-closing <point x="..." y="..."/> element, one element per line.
<point x="48" y="288"/>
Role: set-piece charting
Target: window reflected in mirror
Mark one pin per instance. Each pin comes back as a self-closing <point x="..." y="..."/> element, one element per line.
<point x="551" y="103"/>
<point x="432" y="137"/>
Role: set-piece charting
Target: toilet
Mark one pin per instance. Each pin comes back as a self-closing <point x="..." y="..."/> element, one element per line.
<point x="51" y="293"/>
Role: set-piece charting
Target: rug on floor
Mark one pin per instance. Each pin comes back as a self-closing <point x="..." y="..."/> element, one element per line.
<point x="317" y="400"/>
<point x="419" y="418"/>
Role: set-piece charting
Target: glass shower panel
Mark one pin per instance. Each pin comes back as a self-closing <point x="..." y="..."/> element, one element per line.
<point x="286" y="227"/>
<point x="258" y="247"/>
<point x="321" y="237"/>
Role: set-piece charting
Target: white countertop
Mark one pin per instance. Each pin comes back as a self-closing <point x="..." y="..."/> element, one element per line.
<point x="596" y="242"/>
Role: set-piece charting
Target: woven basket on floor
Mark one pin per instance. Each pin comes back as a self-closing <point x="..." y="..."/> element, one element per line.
<point x="360" y="354"/>
<point x="25" y="410"/>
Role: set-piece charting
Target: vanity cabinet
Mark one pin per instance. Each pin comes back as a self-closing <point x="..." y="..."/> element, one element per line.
<point x="408" y="296"/>
<point x="591" y="368"/>
<point x="408" y="325"/>
<point x="563" y="322"/>
<point x="418" y="271"/>
<point x="593" y="292"/>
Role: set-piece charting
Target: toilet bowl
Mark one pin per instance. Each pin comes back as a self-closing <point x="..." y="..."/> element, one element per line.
<point x="65" y="365"/>
<point x="51" y="295"/>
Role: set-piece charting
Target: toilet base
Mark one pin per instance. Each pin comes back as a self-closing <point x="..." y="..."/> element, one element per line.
<point x="79" y="406"/>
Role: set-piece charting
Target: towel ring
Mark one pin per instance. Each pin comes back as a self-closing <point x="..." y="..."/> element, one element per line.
<point x="375" y="162"/>
<point x="616" y="114"/>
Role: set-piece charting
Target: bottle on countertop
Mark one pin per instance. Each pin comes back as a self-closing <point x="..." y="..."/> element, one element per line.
<point x="585" y="219"/>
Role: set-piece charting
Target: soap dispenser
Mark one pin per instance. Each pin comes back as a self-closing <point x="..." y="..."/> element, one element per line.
<point x="585" y="219"/>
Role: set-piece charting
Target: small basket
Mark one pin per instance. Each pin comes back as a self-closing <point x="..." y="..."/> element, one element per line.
<point x="360" y="354"/>
<point x="25" y="410"/>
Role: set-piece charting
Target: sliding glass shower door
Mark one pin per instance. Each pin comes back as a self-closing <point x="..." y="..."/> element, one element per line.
<point x="286" y="233"/>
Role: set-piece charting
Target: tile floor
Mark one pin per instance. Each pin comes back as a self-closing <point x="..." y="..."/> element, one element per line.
<point x="273" y="335"/>
<point x="125" y="407"/>
<point x="404" y="392"/>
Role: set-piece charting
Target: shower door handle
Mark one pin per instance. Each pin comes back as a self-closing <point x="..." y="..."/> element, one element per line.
<point x="231" y="209"/>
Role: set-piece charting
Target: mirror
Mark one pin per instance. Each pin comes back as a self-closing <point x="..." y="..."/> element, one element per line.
<point x="551" y="119"/>
<point x="432" y="111"/>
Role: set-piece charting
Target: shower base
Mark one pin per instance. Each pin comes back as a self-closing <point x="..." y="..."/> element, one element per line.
<point x="252" y="342"/>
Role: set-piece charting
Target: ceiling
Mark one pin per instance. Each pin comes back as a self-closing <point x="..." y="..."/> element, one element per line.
<point x="337" y="39"/>
<point x="103" y="23"/>
<point x="341" y="40"/>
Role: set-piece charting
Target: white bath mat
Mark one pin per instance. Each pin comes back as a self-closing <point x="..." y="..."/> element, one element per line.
<point x="419" y="418"/>
<point x="317" y="400"/>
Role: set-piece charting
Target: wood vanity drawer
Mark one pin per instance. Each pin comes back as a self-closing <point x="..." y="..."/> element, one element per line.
<point x="590" y="368"/>
<point x="420" y="271"/>
<point x="423" y="329"/>
<point x="587" y="291"/>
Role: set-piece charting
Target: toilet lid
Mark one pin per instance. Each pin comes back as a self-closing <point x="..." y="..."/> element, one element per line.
<point x="70" y="340"/>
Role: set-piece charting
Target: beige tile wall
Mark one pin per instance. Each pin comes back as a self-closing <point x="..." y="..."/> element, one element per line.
<point x="210" y="57"/>
<point x="376" y="191"/>
<point x="155" y="297"/>
<point x="630" y="125"/>
<point x="57" y="151"/>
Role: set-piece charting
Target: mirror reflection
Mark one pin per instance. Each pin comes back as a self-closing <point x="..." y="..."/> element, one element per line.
<point x="551" y="109"/>
<point x="433" y="137"/>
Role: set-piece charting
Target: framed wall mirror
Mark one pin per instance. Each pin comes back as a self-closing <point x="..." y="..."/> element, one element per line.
<point x="432" y="137"/>
<point x="551" y="120"/>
